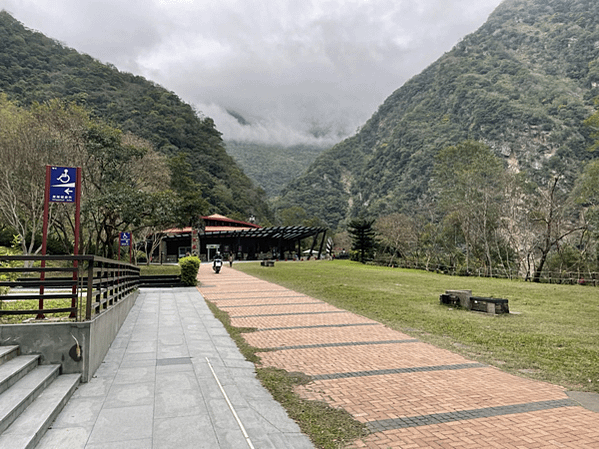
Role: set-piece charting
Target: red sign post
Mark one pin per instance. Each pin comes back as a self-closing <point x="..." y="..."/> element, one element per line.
<point x="63" y="185"/>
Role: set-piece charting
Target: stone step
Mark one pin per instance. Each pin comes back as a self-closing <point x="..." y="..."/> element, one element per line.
<point x="160" y="281"/>
<point x="27" y="430"/>
<point x="164" y="285"/>
<point x="18" y="397"/>
<point x="14" y="369"/>
<point x="8" y="352"/>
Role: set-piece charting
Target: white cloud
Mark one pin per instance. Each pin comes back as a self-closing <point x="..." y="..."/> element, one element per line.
<point x="284" y="65"/>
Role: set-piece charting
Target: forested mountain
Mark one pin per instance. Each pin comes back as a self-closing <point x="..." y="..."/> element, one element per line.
<point x="272" y="167"/>
<point x="34" y="68"/>
<point x="523" y="84"/>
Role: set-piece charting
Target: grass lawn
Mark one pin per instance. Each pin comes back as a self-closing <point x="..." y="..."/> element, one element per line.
<point x="33" y="305"/>
<point x="154" y="269"/>
<point x="552" y="333"/>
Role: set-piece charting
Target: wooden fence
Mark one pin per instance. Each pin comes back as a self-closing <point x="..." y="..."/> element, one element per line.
<point x="547" y="277"/>
<point x="93" y="284"/>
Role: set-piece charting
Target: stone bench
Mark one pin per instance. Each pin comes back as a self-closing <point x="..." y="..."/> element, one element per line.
<point x="464" y="299"/>
<point x="267" y="263"/>
<point x="489" y="305"/>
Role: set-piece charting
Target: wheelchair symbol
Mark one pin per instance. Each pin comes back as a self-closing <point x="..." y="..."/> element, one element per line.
<point x="64" y="178"/>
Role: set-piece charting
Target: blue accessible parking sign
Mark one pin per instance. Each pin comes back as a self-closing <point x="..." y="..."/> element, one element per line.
<point x="62" y="184"/>
<point x="125" y="238"/>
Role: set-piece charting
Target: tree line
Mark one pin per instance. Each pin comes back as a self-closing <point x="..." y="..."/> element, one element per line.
<point x="483" y="215"/>
<point x="126" y="184"/>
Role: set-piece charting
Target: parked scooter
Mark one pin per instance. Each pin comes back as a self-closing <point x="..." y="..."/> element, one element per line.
<point x="217" y="263"/>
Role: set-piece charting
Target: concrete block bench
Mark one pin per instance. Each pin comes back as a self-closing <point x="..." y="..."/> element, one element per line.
<point x="464" y="299"/>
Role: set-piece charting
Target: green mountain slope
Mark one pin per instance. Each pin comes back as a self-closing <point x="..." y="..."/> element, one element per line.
<point x="523" y="83"/>
<point x="36" y="68"/>
<point x="272" y="167"/>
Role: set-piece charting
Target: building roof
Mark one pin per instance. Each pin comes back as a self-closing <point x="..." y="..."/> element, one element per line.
<point x="173" y="231"/>
<point x="215" y="223"/>
<point x="217" y="220"/>
<point x="210" y="229"/>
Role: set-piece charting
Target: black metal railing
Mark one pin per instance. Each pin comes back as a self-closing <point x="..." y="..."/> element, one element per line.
<point x="95" y="284"/>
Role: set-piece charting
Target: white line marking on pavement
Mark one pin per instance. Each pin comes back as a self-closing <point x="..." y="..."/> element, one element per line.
<point x="247" y="438"/>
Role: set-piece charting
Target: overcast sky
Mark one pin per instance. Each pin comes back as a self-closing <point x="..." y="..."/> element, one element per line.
<point x="289" y="67"/>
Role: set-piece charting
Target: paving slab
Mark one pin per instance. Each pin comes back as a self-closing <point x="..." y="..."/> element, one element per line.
<point x="409" y="394"/>
<point x="156" y="388"/>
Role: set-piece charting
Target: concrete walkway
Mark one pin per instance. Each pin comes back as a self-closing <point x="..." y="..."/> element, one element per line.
<point x="173" y="379"/>
<point x="408" y="393"/>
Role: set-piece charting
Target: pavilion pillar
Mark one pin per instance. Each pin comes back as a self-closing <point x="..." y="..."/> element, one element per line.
<point x="324" y="234"/>
<point x="313" y="245"/>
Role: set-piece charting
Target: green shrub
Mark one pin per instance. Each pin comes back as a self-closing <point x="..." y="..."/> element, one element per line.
<point x="189" y="269"/>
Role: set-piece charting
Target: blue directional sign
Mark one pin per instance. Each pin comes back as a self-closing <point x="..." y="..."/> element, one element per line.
<point x="62" y="184"/>
<point x="125" y="239"/>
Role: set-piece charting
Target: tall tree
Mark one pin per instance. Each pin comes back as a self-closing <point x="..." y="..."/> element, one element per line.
<point x="520" y="195"/>
<point x="48" y="134"/>
<point x="586" y="197"/>
<point x="363" y="236"/>
<point x="468" y="179"/>
<point x="190" y="204"/>
<point x="553" y="218"/>
<point x="121" y="176"/>
<point x="397" y="234"/>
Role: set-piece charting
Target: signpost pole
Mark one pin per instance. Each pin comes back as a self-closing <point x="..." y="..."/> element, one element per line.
<point x="77" y="211"/>
<point x="76" y="242"/>
<point x="60" y="188"/>
<point x="124" y="240"/>
<point x="40" y="316"/>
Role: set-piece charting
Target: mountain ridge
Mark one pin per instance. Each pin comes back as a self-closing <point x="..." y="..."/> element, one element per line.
<point x="523" y="83"/>
<point x="36" y="68"/>
<point x="272" y="166"/>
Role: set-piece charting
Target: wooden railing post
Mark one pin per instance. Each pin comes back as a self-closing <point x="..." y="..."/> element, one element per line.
<point x="90" y="289"/>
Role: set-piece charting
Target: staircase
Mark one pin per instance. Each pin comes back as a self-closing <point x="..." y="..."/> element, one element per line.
<point x="31" y="396"/>
<point x="161" y="281"/>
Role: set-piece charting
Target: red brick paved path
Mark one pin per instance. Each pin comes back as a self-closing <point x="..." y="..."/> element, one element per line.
<point x="410" y="394"/>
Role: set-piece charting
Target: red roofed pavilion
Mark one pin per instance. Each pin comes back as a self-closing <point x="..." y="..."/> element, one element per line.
<point x="245" y="240"/>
